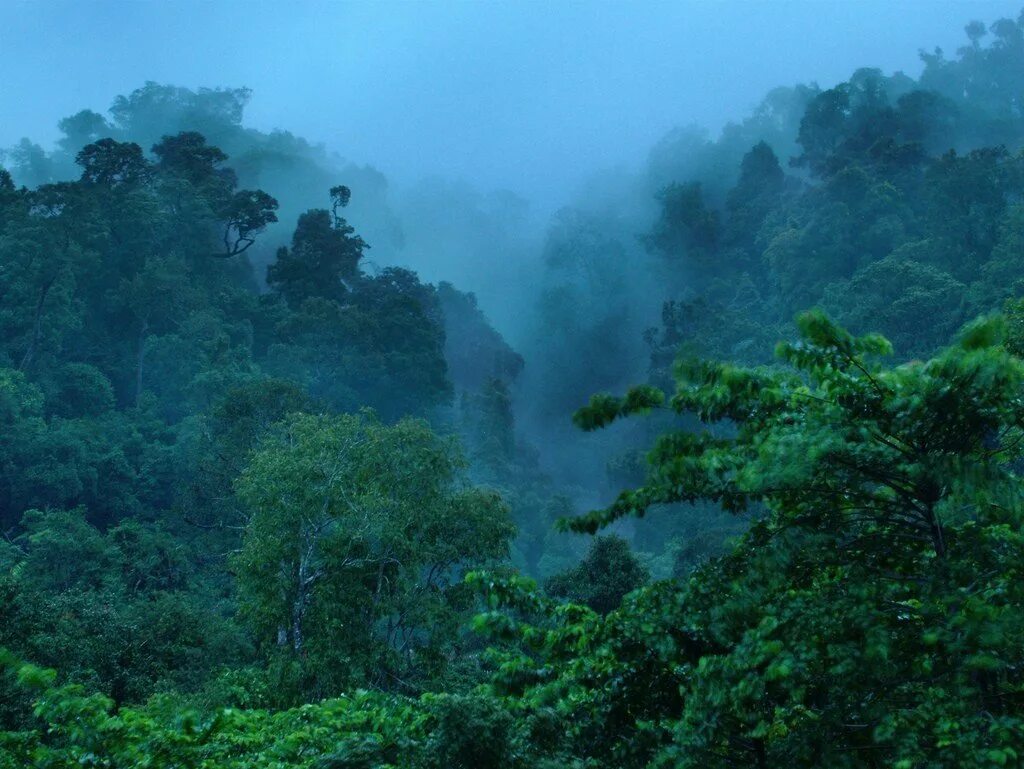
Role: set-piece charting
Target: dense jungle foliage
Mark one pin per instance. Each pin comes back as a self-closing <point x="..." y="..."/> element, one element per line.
<point x="266" y="502"/>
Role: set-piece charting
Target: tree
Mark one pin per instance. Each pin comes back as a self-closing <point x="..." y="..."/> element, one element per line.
<point x="116" y="609"/>
<point x="873" y="611"/>
<point x="234" y="426"/>
<point x="913" y="303"/>
<point x="188" y="156"/>
<point x="357" y="536"/>
<point x="156" y="110"/>
<point x="607" y="573"/>
<point x="30" y="164"/>
<point x="758" y="190"/>
<point x="40" y="251"/>
<point x="352" y="354"/>
<point x="245" y="214"/>
<point x="324" y="257"/>
<point x="687" y="231"/>
<point x="111" y="163"/>
<point x="80" y="129"/>
<point x="823" y="127"/>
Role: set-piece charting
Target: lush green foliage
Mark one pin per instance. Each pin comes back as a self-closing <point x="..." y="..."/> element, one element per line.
<point x="353" y="552"/>
<point x="871" y="617"/>
<point x="140" y="368"/>
<point x="288" y="523"/>
<point x="873" y="614"/>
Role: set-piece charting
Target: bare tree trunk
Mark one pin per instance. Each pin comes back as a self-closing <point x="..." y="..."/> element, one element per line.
<point x="298" y="610"/>
<point x="306" y="578"/>
<point x="299" y="606"/>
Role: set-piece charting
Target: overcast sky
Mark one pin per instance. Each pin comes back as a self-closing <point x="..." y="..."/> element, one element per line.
<point x="529" y="96"/>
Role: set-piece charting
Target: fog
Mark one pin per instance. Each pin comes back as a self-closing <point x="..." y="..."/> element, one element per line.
<point x="531" y="97"/>
<point x="614" y="182"/>
<point x="511" y="384"/>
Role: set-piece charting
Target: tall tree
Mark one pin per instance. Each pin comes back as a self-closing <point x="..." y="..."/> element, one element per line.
<point x="358" y="535"/>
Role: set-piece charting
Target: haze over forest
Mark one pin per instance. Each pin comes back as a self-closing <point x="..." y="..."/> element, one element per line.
<point x="534" y="101"/>
<point x="477" y="385"/>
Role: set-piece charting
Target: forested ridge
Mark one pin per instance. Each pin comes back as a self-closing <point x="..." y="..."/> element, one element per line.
<point x="268" y="499"/>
